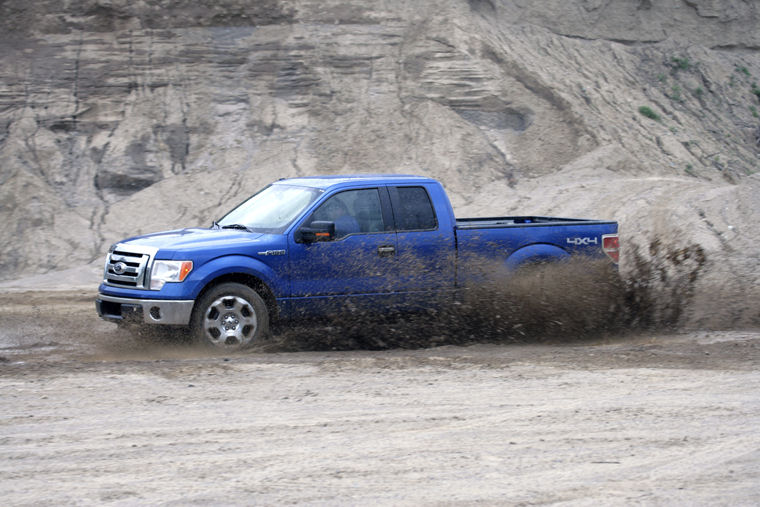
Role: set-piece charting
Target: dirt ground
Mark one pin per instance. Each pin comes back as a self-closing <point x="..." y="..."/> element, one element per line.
<point x="92" y="416"/>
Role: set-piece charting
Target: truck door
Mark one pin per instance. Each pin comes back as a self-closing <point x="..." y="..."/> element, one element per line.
<point x="360" y="259"/>
<point x="426" y="252"/>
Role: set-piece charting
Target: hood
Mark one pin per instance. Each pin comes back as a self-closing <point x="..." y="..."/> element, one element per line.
<point x="170" y="243"/>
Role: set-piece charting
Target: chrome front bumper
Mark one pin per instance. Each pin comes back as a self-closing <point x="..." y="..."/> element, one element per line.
<point x="147" y="311"/>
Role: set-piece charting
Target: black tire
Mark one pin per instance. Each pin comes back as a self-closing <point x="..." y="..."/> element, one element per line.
<point x="231" y="316"/>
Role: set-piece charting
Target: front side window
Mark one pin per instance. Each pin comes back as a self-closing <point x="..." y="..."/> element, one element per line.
<point x="272" y="209"/>
<point x="352" y="211"/>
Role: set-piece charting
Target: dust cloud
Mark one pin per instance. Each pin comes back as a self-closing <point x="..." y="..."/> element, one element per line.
<point x="659" y="287"/>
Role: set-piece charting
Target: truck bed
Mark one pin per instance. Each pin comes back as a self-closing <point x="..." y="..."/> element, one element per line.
<point x="522" y="221"/>
<point x="506" y="240"/>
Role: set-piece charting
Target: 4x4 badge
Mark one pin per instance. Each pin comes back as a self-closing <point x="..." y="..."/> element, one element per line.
<point x="582" y="241"/>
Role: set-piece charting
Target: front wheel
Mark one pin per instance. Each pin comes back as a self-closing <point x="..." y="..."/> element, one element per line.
<point x="230" y="316"/>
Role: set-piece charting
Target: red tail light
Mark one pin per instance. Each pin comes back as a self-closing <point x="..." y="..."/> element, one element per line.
<point x="611" y="246"/>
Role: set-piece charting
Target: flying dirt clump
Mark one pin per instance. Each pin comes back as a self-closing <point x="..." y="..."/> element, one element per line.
<point x="661" y="287"/>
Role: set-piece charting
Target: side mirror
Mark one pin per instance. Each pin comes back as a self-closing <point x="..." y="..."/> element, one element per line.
<point x="317" y="231"/>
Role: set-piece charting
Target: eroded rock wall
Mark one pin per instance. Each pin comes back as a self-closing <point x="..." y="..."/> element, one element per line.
<point x="118" y="118"/>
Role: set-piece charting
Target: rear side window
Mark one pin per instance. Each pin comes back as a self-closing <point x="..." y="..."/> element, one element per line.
<point x="412" y="209"/>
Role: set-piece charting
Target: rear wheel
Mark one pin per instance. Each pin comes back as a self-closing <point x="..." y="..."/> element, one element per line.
<point x="230" y="316"/>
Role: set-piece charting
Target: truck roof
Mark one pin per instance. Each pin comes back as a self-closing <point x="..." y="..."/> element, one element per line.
<point x="328" y="181"/>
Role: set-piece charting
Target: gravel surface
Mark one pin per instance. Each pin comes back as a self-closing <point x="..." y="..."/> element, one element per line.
<point x="92" y="416"/>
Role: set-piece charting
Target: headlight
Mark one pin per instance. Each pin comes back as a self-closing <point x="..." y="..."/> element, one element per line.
<point x="168" y="271"/>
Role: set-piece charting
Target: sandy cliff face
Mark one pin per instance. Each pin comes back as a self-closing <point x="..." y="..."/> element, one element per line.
<point x="710" y="23"/>
<point x="123" y="117"/>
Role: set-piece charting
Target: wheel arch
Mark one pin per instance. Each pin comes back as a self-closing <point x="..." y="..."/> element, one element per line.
<point x="534" y="254"/>
<point x="247" y="279"/>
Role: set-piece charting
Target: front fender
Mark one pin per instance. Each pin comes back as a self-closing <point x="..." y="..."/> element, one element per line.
<point x="540" y="252"/>
<point x="228" y="264"/>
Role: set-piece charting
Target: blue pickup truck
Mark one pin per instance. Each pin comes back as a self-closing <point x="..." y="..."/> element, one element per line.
<point x="315" y="246"/>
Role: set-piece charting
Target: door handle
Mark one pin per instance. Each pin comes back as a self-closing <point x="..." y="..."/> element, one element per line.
<point x="386" y="251"/>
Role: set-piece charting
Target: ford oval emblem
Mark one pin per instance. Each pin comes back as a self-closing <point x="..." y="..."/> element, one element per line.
<point x="119" y="268"/>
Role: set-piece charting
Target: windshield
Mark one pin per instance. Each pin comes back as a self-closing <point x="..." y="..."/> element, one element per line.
<point x="272" y="209"/>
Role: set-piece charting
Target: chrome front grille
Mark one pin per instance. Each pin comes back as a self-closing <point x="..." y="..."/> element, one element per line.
<point x="129" y="266"/>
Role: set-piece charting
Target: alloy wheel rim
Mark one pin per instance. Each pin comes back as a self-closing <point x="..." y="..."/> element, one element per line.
<point x="230" y="322"/>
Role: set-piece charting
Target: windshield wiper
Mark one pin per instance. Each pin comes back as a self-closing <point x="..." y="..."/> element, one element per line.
<point x="236" y="226"/>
